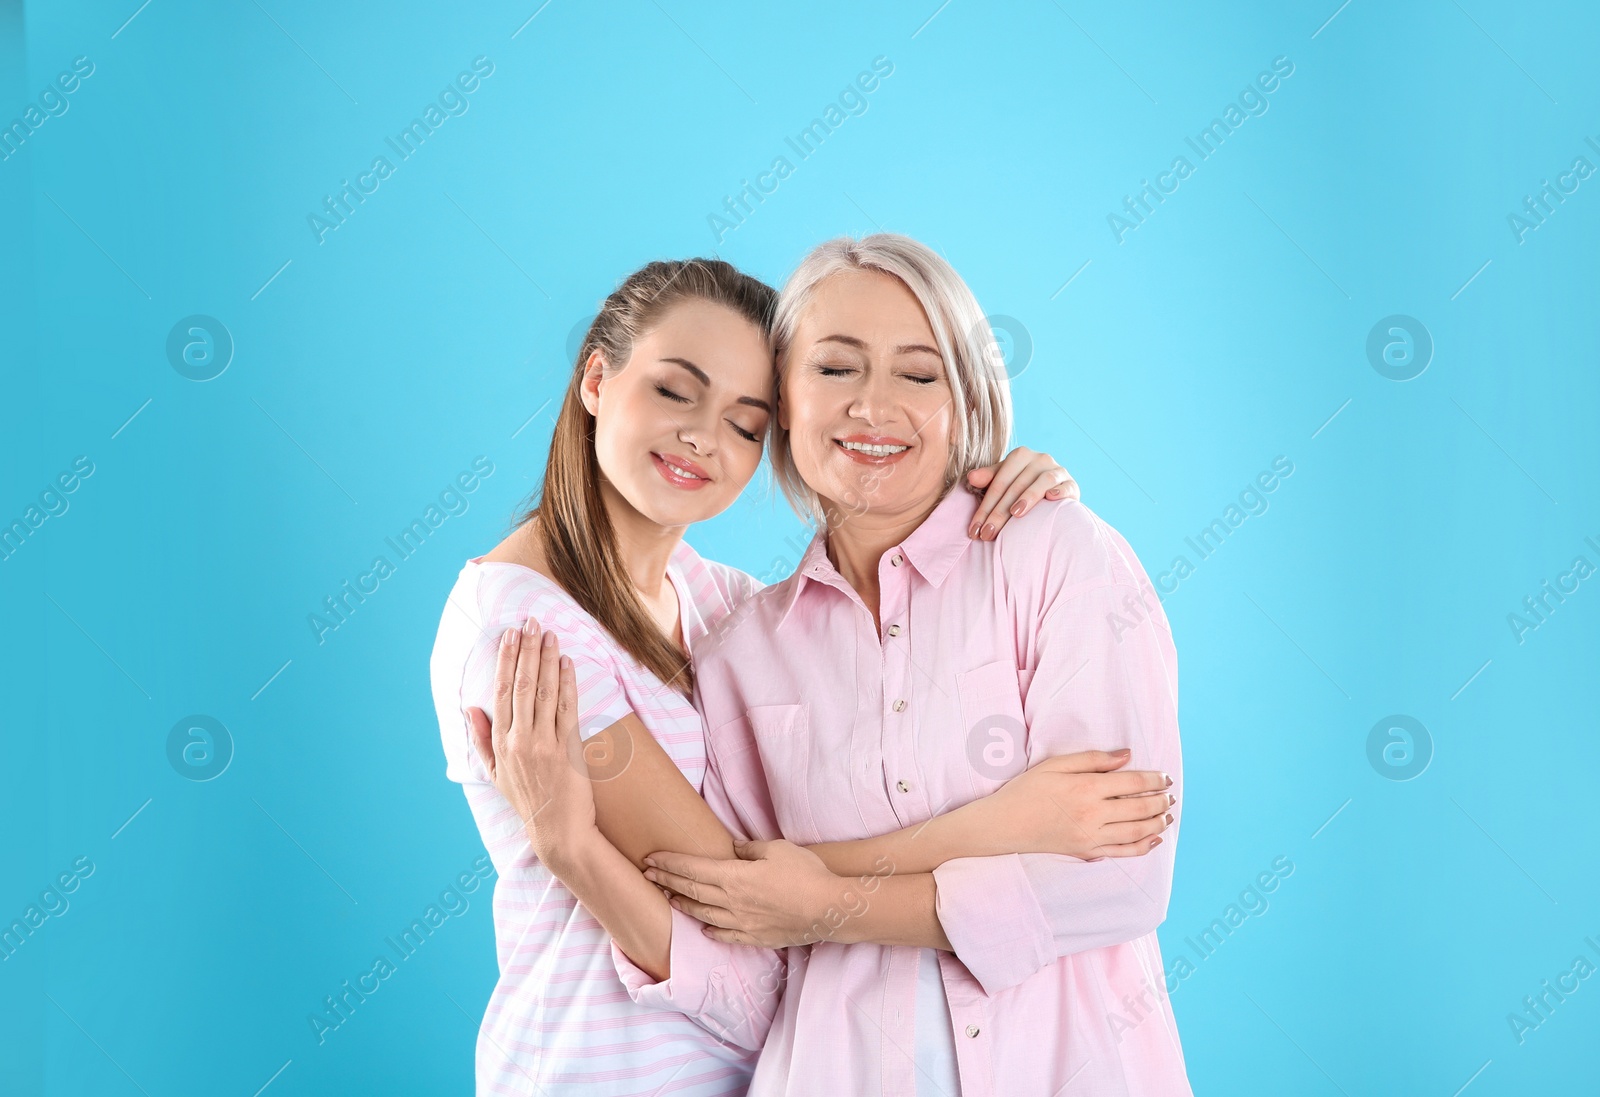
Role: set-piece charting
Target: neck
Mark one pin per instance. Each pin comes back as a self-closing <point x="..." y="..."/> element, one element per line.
<point x="857" y="543"/>
<point x="644" y="546"/>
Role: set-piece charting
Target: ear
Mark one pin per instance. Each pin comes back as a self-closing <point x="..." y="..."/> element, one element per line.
<point x="783" y="409"/>
<point x="593" y="374"/>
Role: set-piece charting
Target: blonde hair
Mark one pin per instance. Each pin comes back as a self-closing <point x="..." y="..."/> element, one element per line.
<point x="980" y="392"/>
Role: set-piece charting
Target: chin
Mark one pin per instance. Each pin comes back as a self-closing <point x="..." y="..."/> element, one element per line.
<point x="673" y="510"/>
<point x="898" y="489"/>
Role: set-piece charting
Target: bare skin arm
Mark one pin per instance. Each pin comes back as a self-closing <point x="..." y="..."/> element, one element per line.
<point x="644" y="804"/>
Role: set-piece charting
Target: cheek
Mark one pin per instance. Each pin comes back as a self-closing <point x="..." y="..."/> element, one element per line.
<point x="935" y="427"/>
<point x="741" y="459"/>
<point x="811" y="419"/>
<point x="622" y="430"/>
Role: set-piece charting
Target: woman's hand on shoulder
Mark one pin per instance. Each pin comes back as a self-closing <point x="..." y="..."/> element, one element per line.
<point x="1013" y="487"/>
<point x="531" y="748"/>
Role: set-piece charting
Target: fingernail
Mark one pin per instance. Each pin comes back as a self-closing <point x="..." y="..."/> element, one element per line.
<point x="1155" y="843"/>
<point x="1169" y="818"/>
<point x="988" y="529"/>
<point x="510" y="637"/>
<point x="1171" y="799"/>
<point x="1016" y="509"/>
<point x="651" y="861"/>
<point x="1169" y="781"/>
<point x="531" y="627"/>
<point x="1124" y="750"/>
<point x="549" y="639"/>
<point x="650" y="873"/>
<point x="972" y="530"/>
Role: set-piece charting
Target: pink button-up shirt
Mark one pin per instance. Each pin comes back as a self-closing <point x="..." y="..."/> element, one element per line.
<point x="990" y="657"/>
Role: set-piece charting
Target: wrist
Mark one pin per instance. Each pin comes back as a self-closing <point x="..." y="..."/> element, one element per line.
<point x="567" y="854"/>
<point x="985" y="827"/>
<point x="845" y="917"/>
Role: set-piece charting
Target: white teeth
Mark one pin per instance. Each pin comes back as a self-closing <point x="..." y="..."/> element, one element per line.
<point x="872" y="450"/>
<point x="685" y="473"/>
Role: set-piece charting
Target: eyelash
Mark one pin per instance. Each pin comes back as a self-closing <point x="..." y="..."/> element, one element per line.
<point x="742" y="433"/>
<point x="837" y="371"/>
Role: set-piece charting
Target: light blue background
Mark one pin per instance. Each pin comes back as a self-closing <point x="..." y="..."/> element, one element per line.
<point x="1225" y="331"/>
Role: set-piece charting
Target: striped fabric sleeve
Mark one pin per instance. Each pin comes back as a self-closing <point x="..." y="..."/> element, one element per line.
<point x="600" y="696"/>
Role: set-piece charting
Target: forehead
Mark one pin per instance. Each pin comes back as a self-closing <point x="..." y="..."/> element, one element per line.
<point x="869" y="305"/>
<point x="731" y="349"/>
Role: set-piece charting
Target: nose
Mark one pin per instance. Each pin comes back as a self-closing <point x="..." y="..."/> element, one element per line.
<point x="871" y="401"/>
<point x="697" y="438"/>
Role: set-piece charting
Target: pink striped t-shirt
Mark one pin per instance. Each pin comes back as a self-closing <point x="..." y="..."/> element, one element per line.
<point x="560" y="1020"/>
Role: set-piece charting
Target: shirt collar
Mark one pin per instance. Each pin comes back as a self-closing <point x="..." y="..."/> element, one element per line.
<point x="933" y="548"/>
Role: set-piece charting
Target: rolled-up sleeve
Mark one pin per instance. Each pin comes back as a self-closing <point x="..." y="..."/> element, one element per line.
<point x="720" y="986"/>
<point x="1103" y="676"/>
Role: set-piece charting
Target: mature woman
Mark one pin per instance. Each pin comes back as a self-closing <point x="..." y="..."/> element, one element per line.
<point x="904" y="668"/>
<point x="662" y="427"/>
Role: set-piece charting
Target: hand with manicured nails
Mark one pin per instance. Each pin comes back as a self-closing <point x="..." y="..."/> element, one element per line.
<point x="776" y="894"/>
<point x="1012" y="488"/>
<point x="1076" y="804"/>
<point x="530" y="747"/>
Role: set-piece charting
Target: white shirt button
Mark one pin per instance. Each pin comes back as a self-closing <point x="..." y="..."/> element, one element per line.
<point x="894" y="561"/>
<point x="972" y="1030"/>
<point x="900" y="706"/>
<point x="894" y="630"/>
<point x="902" y="786"/>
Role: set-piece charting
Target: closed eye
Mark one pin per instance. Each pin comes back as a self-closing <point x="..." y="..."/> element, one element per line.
<point x="742" y="433"/>
<point x="670" y="395"/>
<point x="834" y="371"/>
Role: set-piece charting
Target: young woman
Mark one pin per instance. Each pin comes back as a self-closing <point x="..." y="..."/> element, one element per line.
<point x="662" y="426"/>
<point x="1029" y="973"/>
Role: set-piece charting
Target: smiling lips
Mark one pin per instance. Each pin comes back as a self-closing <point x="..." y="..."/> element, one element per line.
<point x="872" y="449"/>
<point x="681" y="472"/>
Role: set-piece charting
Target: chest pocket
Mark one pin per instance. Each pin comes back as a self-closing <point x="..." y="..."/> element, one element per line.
<point x="767" y="775"/>
<point x="996" y="738"/>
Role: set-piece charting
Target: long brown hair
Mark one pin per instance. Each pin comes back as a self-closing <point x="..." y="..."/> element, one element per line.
<point x="575" y="531"/>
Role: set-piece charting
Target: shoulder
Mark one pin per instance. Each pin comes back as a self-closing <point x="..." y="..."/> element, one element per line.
<point x="713" y="582"/>
<point x="506" y="595"/>
<point x="1067" y="547"/>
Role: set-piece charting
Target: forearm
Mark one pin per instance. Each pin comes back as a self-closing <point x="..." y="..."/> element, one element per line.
<point x="887" y="910"/>
<point x="630" y="908"/>
<point x="972" y="830"/>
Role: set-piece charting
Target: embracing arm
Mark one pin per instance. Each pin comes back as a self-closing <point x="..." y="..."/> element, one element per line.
<point x="644" y="805"/>
<point x="1078" y="807"/>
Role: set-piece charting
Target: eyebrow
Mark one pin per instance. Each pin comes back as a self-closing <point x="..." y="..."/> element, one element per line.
<point x="701" y="376"/>
<point x="852" y="341"/>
